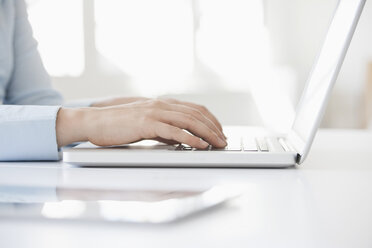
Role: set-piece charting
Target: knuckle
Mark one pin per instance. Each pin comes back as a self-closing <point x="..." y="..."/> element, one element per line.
<point x="199" y="114"/>
<point x="189" y="119"/>
<point x="202" y="109"/>
<point x="150" y="113"/>
<point x="156" y="103"/>
<point x="212" y="135"/>
<point x="196" y="112"/>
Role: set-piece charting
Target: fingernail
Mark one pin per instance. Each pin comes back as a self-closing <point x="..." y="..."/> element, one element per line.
<point x="221" y="135"/>
<point x="204" y="143"/>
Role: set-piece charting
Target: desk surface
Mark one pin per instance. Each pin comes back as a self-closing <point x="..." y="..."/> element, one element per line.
<point x="326" y="202"/>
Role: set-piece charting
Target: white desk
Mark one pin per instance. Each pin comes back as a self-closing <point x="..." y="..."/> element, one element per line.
<point x="327" y="202"/>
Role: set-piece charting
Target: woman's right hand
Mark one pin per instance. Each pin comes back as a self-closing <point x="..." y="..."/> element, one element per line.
<point x="152" y="119"/>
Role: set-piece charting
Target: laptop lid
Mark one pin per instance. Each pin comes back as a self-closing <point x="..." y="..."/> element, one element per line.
<point x="323" y="76"/>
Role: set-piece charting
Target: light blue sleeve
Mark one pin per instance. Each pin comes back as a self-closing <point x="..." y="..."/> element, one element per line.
<point x="29" y="83"/>
<point x="28" y="116"/>
<point x="26" y="132"/>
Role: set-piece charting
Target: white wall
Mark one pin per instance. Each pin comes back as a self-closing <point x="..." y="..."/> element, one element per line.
<point x="347" y="104"/>
<point x="297" y="29"/>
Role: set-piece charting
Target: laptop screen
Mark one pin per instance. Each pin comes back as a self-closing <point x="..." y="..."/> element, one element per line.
<point x="324" y="72"/>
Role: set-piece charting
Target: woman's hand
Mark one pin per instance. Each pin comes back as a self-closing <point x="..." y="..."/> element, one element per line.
<point x="113" y="101"/>
<point x="163" y="120"/>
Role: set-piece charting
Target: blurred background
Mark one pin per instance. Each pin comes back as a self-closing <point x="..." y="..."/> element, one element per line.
<point x="246" y="60"/>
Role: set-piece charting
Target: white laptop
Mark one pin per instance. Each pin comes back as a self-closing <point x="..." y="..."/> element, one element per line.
<point x="247" y="147"/>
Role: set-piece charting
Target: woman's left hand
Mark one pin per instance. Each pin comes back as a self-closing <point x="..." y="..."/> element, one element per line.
<point x="127" y="100"/>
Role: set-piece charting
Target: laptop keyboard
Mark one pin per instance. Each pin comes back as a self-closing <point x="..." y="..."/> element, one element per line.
<point x="252" y="144"/>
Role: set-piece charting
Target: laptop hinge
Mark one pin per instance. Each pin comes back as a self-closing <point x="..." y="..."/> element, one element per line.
<point x="298" y="158"/>
<point x="286" y="144"/>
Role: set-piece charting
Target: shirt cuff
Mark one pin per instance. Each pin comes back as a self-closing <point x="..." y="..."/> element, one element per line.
<point x="28" y="133"/>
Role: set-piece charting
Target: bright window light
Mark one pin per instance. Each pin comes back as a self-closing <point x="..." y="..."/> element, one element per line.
<point x="233" y="41"/>
<point x="151" y="41"/>
<point x="58" y="27"/>
<point x="159" y="47"/>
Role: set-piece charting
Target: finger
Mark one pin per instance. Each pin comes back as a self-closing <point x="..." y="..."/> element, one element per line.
<point x="194" y="112"/>
<point x="201" y="108"/>
<point x="206" y="112"/>
<point x="191" y="124"/>
<point x="169" y="132"/>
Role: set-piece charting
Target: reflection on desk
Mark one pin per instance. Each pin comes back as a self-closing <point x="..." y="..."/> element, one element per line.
<point x="108" y="205"/>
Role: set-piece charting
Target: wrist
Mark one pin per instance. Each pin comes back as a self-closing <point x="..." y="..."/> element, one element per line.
<point x="112" y="101"/>
<point x="71" y="125"/>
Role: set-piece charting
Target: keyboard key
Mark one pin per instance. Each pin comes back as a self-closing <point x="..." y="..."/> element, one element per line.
<point x="274" y="145"/>
<point x="234" y="144"/>
<point x="179" y="147"/>
<point x="262" y="144"/>
<point x="185" y="147"/>
<point x="284" y="144"/>
<point x="249" y="144"/>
